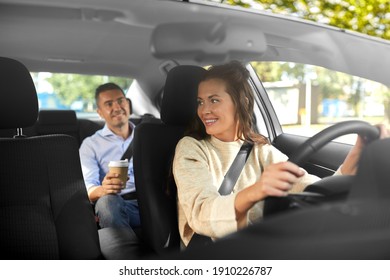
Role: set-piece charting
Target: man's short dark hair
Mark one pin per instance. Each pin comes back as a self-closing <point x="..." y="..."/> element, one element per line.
<point x="105" y="87"/>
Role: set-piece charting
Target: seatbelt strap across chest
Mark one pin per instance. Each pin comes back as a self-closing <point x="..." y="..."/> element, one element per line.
<point x="128" y="154"/>
<point x="226" y="187"/>
<point x="235" y="169"/>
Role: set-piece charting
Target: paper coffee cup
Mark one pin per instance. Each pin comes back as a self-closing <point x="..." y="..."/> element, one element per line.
<point x="120" y="167"/>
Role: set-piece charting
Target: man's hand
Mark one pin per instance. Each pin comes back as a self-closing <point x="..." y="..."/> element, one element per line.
<point x="112" y="184"/>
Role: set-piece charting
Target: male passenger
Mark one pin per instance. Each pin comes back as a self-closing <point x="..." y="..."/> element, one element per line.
<point x="115" y="205"/>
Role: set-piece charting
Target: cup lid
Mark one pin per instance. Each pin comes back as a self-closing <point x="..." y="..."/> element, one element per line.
<point x="119" y="163"/>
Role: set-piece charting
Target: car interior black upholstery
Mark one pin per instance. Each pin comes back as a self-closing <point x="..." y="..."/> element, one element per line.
<point x="58" y="122"/>
<point x="88" y="127"/>
<point x="44" y="207"/>
<point x="64" y="122"/>
<point x="154" y="146"/>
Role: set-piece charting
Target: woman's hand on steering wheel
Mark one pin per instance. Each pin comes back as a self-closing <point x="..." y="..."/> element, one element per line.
<point x="366" y="133"/>
<point x="277" y="180"/>
<point x="349" y="166"/>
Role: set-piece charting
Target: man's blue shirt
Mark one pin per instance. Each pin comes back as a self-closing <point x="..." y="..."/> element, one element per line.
<point x="98" y="150"/>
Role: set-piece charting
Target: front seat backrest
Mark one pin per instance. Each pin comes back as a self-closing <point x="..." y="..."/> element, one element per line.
<point x="154" y="147"/>
<point x="44" y="208"/>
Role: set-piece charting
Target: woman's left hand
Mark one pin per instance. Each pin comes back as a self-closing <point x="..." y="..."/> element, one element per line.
<point x="350" y="163"/>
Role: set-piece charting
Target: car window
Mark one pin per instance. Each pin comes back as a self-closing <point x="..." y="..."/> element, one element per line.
<point x="61" y="91"/>
<point x="308" y="99"/>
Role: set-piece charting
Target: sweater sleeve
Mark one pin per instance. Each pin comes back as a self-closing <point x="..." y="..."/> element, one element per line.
<point x="205" y="210"/>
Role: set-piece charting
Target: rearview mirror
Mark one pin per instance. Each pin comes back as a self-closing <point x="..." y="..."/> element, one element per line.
<point x="207" y="41"/>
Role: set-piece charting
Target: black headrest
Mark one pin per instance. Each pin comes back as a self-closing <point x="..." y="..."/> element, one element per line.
<point x="179" y="102"/>
<point x="57" y="117"/>
<point x="372" y="179"/>
<point x="18" y="95"/>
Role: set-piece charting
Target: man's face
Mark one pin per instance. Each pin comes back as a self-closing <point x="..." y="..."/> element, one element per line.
<point x="113" y="107"/>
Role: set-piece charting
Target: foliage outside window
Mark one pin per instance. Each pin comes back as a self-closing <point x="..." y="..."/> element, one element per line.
<point x="72" y="91"/>
<point x="371" y="17"/>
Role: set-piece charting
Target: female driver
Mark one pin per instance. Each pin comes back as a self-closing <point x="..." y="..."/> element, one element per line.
<point x="223" y="123"/>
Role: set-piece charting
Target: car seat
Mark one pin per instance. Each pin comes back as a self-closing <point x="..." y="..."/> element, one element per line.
<point x="154" y="147"/>
<point x="58" y="122"/>
<point x="89" y="127"/>
<point x="44" y="208"/>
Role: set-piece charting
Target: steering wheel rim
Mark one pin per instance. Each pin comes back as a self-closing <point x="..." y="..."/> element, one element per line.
<point x="305" y="151"/>
<point x="313" y="144"/>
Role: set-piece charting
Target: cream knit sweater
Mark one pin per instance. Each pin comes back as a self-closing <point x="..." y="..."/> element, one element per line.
<point x="199" y="168"/>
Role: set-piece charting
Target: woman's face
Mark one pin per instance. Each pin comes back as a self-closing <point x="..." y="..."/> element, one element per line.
<point x="217" y="111"/>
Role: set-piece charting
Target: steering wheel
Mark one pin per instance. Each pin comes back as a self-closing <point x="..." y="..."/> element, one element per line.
<point x="313" y="144"/>
<point x="308" y="148"/>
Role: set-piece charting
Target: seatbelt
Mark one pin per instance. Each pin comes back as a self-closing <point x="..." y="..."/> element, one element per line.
<point x="235" y="169"/>
<point x="226" y="188"/>
<point x="128" y="154"/>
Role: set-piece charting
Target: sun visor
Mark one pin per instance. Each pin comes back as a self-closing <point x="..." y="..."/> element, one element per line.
<point x="207" y="41"/>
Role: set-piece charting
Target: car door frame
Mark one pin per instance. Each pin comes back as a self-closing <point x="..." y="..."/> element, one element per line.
<point x="323" y="163"/>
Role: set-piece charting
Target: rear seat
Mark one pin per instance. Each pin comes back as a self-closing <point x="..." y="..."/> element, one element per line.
<point x="63" y="122"/>
<point x="9" y="133"/>
<point x="66" y="122"/>
<point x="58" y="122"/>
<point x="88" y="128"/>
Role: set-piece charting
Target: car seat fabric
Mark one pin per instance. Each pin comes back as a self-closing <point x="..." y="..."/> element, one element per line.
<point x="179" y="102"/>
<point x="44" y="208"/>
<point x="88" y="128"/>
<point x="58" y="122"/>
<point x="12" y="132"/>
<point x="19" y="99"/>
<point x="154" y="147"/>
<point x="22" y="104"/>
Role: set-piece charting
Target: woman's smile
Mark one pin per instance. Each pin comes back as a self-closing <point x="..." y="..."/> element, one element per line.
<point x="209" y="122"/>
